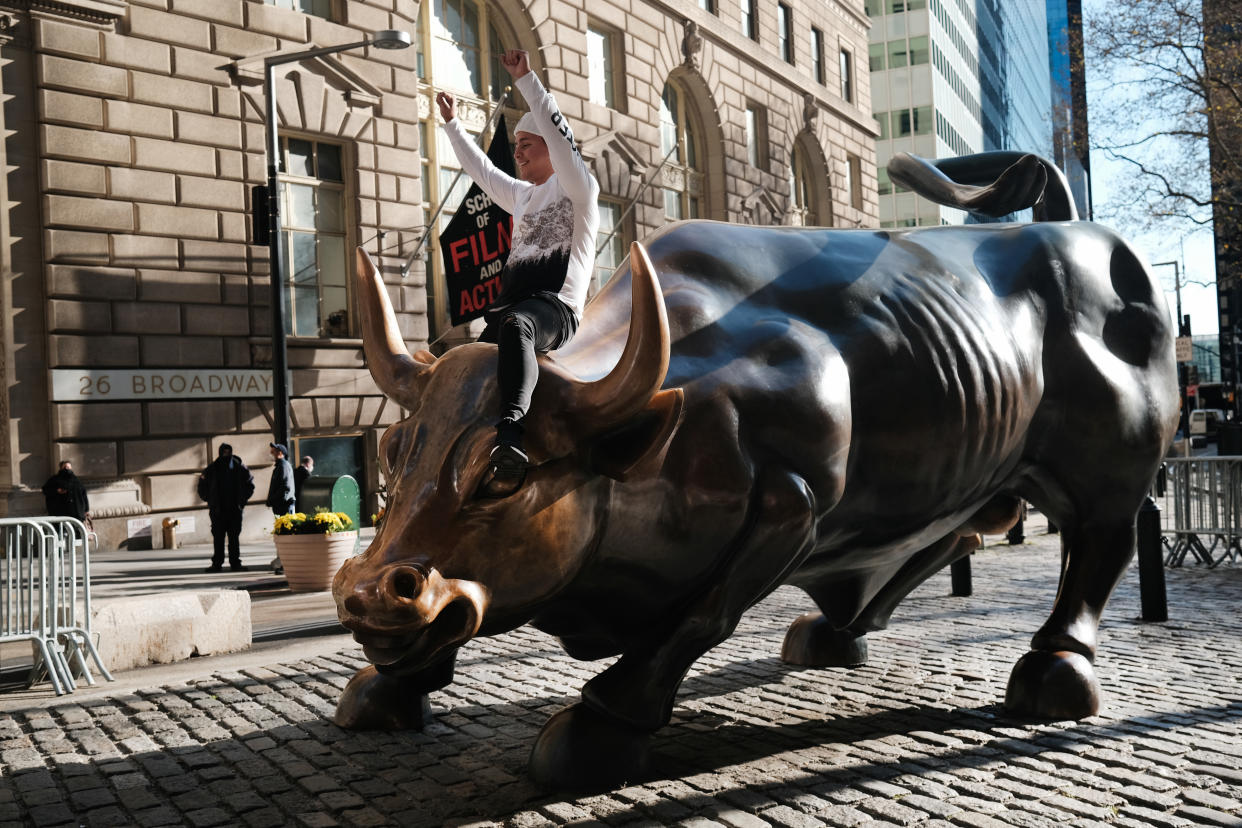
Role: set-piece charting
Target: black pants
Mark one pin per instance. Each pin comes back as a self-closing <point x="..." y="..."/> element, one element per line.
<point x="226" y="526"/>
<point x="521" y="331"/>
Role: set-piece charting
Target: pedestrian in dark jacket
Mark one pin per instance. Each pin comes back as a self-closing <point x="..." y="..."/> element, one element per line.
<point x="227" y="486"/>
<point x="281" y="492"/>
<point x="300" y="475"/>
<point x="65" y="495"/>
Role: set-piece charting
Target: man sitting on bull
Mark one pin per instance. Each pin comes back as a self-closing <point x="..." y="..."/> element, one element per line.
<point x="544" y="282"/>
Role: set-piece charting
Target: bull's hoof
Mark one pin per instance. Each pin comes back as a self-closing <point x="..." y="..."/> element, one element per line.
<point x="812" y="642"/>
<point x="581" y="750"/>
<point x="374" y="701"/>
<point x="1055" y="686"/>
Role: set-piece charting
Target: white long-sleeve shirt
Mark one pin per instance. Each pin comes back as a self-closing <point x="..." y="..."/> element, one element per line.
<point x="554" y="223"/>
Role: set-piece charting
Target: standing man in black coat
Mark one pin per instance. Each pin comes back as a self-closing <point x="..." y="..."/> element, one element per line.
<point x="227" y="486"/>
<point x="300" y="475"/>
<point x="65" y="495"/>
<point x="281" y="492"/>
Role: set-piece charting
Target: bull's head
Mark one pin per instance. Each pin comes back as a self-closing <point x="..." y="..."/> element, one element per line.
<point x="449" y="560"/>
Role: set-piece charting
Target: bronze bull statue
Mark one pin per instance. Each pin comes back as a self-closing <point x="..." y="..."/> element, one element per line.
<point x="841" y="410"/>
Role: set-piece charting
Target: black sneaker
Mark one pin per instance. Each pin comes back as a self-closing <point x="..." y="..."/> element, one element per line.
<point x="237" y="567"/>
<point x="214" y="568"/>
<point x="506" y="472"/>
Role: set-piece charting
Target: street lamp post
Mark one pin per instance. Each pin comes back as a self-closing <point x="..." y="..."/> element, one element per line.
<point x="385" y="39"/>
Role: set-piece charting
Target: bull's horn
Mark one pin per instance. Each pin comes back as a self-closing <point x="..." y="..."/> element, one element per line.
<point x="639" y="373"/>
<point x="394" y="370"/>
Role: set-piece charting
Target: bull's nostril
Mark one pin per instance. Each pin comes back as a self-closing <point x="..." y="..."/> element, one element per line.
<point x="354" y="605"/>
<point x="405" y="584"/>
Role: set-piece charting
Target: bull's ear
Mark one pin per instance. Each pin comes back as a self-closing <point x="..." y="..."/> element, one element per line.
<point x="624" y="451"/>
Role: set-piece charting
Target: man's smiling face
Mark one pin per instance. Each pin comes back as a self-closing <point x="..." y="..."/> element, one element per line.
<point x="531" y="156"/>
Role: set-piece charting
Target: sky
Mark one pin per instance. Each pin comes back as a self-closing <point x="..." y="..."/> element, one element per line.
<point x="1192" y="249"/>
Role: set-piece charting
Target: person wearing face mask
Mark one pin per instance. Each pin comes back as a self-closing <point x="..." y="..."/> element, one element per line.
<point x="544" y="283"/>
<point x="227" y="486"/>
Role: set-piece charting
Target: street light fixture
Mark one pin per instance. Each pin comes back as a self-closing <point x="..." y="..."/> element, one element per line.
<point x="383" y="39"/>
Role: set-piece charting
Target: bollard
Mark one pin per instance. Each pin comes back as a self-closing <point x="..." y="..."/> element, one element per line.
<point x="959" y="577"/>
<point x="1151" y="563"/>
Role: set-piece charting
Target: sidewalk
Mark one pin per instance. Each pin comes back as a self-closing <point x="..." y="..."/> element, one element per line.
<point x="917" y="737"/>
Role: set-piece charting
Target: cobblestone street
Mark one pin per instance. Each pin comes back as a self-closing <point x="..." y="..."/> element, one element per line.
<point x="917" y="737"/>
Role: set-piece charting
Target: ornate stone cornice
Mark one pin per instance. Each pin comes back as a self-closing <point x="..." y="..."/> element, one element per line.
<point x="93" y="11"/>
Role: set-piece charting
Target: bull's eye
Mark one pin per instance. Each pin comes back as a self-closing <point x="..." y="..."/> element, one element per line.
<point x="495" y="487"/>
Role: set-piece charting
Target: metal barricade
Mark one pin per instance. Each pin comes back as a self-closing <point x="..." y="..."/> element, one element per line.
<point x="1202" y="509"/>
<point x="45" y="597"/>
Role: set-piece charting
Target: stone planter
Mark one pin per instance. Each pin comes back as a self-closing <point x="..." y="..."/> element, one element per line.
<point x="311" y="561"/>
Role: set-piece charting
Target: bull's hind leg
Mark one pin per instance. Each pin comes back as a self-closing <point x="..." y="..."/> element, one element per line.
<point x="602" y="741"/>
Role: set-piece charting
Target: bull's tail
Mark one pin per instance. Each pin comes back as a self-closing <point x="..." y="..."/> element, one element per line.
<point x="991" y="183"/>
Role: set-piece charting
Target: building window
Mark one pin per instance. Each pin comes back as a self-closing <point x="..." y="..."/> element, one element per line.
<point x="817" y="55"/>
<point x="708" y="6"/>
<point x="922" y="120"/>
<point x="898" y="54"/>
<point x="319" y="8"/>
<point x="615" y="239"/>
<point x="683" y="178"/>
<point x="903" y="124"/>
<point x="853" y="181"/>
<point x="756" y="135"/>
<point x="784" y="29"/>
<point x="601" y="77"/>
<point x="451" y="31"/>
<point x="847" y="76"/>
<point x="750" y="19"/>
<point x="882" y="118"/>
<point x="312" y="238"/>
<point x="874" y="8"/>
<point x="883" y="182"/>
<point x="875" y="57"/>
<point x="918" y="50"/>
<point x="459" y="50"/>
<point x="801" y="199"/>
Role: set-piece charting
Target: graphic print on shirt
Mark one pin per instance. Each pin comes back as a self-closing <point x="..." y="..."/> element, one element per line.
<point x="539" y="257"/>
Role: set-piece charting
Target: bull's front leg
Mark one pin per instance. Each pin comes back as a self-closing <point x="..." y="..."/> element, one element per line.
<point x="387" y="699"/>
<point x="602" y="741"/>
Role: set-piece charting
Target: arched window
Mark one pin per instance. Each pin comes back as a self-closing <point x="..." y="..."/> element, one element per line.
<point x="801" y="194"/>
<point x="683" y="176"/>
<point x="458" y="46"/>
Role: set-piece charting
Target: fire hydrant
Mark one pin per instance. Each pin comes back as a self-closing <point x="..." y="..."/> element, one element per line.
<point x="170" y="532"/>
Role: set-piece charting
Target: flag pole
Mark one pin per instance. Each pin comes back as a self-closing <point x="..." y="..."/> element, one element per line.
<point x="430" y="225"/>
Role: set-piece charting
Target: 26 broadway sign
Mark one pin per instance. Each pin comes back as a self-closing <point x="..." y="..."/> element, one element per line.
<point x="86" y="385"/>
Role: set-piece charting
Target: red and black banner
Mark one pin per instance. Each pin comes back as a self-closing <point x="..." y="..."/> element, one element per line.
<point x="476" y="242"/>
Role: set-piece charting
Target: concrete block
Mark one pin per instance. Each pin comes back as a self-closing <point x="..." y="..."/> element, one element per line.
<point x="138" y="119"/>
<point x="177" y="491"/>
<point x="66" y="39"/>
<point x="191" y="417"/>
<point x="85" y="144"/>
<point x="70" y="108"/>
<point x="184" y="351"/>
<point x="143" y="185"/>
<point x="169" y="28"/>
<point x="225" y="257"/>
<point x="283" y="23"/>
<point x="89" y="460"/>
<point x="185" y="222"/>
<point x="212" y="192"/>
<point x="88" y="213"/>
<point x="73" y="315"/>
<point x="137" y="53"/>
<point x="224" y="11"/>
<point x="171" y="626"/>
<point x="208" y="129"/>
<point x="235" y="43"/>
<point x="147" y="456"/>
<point x="367" y="17"/>
<point x="144" y="251"/>
<point x="221" y="321"/>
<point x="68" y="350"/>
<point x="75" y="246"/>
<point x="91" y="282"/>
<point x="80" y="76"/>
<point x="83" y="179"/>
<point x="178" y="93"/>
<point x="154" y="154"/>
<point x="89" y="421"/>
<point x="202" y="66"/>
<point x="146" y="318"/>
<point x="179" y="286"/>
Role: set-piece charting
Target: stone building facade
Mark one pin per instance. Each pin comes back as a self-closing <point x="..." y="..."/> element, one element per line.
<point x="136" y="322"/>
